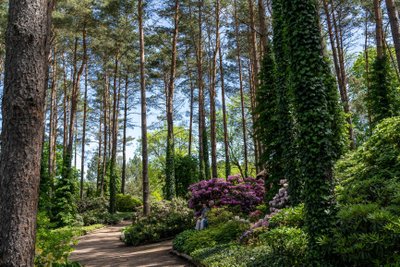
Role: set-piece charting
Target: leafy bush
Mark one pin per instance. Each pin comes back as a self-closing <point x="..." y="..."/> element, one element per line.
<point x="244" y="193"/>
<point x="181" y="238"/>
<point x="167" y="219"/>
<point x="127" y="203"/>
<point x="290" y="217"/>
<point x="288" y="247"/>
<point x="54" y="246"/>
<point x="226" y="255"/>
<point x="219" y="215"/>
<point x="223" y="233"/>
<point x="368" y="197"/>
<point x="89" y="204"/>
<point x="186" y="173"/>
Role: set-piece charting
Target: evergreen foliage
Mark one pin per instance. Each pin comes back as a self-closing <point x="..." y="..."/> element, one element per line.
<point x="285" y="122"/>
<point x="314" y="122"/>
<point x="381" y="98"/>
<point x="367" y="232"/>
<point x="186" y="173"/>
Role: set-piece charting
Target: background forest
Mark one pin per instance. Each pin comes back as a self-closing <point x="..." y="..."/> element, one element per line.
<point x="154" y="100"/>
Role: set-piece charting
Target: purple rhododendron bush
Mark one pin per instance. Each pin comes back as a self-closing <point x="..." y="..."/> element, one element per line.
<point x="243" y="193"/>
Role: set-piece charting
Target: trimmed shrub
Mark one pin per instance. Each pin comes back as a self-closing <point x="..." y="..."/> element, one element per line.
<point x="126" y="203"/>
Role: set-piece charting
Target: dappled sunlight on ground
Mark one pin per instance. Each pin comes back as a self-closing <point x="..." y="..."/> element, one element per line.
<point x="103" y="248"/>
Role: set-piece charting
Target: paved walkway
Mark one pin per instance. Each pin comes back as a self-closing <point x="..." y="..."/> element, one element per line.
<point x="103" y="248"/>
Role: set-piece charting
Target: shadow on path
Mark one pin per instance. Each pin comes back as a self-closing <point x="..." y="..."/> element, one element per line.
<point x="103" y="248"/>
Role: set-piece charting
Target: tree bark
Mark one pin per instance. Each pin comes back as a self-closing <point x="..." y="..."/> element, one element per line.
<point x="146" y="189"/>
<point x="27" y="50"/>
<point x="53" y="118"/>
<point x="106" y="140"/>
<point x="99" y="165"/>
<point x="65" y="108"/>
<point x="170" y="157"/>
<point x="123" y="178"/>
<point x="263" y="28"/>
<point x="394" y="25"/>
<point x="239" y="62"/>
<point x="114" y="132"/>
<point x="379" y="29"/>
<point x="338" y="59"/>
<point x="213" y="116"/>
<point x="199" y="59"/>
<point x="225" y="124"/>
<point x="77" y="73"/>
<point x="84" y="131"/>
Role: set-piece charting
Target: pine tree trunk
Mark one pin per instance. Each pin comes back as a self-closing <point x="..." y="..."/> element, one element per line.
<point x="338" y="59"/>
<point x="394" y="25"/>
<point x="27" y="50"/>
<point x="84" y="132"/>
<point x="106" y="140"/>
<point x="225" y="124"/>
<point x="191" y="116"/>
<point x="239" y="62"/>
<point x="379" y="29"/>
<point x="53" y="119"/>
<point x="213" y="117"/>
<point x="202" y="173"/>
<point x="146" y="189"/>
<point x="123" y="176"/>
<point x="170" y="157"/>
<point x="263" y="27"/>
<point x="99" y="165"/>
<point x="114" y="132"/>
<point x="367" y="66"/>
<point x="65" y="108"/>
<point x="77" y="73"/>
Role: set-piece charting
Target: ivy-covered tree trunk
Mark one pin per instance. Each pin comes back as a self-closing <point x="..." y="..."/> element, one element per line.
<point x="381" y="94"/>
<point x="284" y="161"/>
<point x="314" y="122"/>
<point x="27" y="50"/>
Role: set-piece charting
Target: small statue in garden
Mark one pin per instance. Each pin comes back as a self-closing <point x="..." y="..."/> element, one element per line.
<point x="202" y="221"/>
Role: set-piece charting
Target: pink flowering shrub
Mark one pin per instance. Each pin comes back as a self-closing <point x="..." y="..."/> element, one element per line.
<point x="235" y="191"/>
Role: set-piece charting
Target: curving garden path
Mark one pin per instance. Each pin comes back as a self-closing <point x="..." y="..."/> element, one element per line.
<point x="104" y="248"/>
